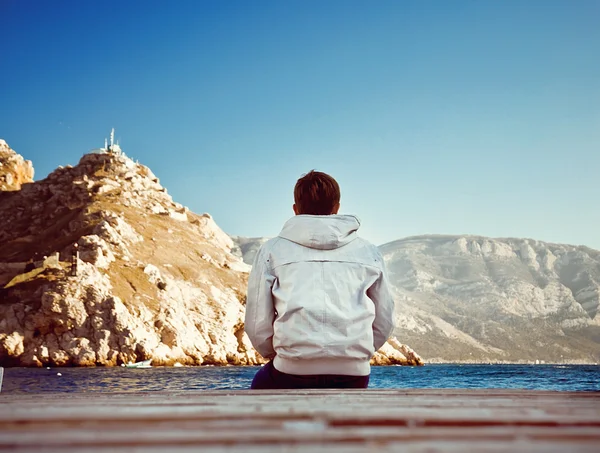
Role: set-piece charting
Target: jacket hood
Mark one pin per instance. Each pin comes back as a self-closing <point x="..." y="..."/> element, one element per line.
<point x="323" y="232"/>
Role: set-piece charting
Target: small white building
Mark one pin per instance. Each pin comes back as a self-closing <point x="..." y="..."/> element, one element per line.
<point x="111" y="147"/>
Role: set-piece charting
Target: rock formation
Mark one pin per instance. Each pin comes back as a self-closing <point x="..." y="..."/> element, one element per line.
<point x="396" y="353"/>
<point x="14" y="170"/>
<point x="99" y="266"/>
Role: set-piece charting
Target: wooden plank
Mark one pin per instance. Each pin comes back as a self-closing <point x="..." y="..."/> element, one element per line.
<point x="336" y="421"/>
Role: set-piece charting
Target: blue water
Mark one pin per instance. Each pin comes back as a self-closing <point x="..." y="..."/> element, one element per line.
<point x="118" y="379"/>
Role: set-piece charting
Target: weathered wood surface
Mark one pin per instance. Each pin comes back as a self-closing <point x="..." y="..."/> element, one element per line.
<point x="300" y="421"/>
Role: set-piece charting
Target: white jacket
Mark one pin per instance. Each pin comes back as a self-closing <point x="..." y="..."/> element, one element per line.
<point x="318" y="300"/>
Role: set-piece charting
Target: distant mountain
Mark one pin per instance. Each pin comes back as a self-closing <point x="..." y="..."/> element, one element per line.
<point x="246" y="248"/>
<point x="475" y="298"/>
<point x="467" y="298"/>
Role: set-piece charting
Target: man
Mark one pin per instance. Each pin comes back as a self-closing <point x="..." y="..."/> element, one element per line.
<point x="318" y="302"/>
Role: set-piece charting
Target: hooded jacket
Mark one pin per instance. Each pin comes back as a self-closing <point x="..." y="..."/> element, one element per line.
<point x="318" y="300"/>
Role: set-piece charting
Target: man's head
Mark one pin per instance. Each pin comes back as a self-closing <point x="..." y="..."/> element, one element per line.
<point x="316" y="193"/>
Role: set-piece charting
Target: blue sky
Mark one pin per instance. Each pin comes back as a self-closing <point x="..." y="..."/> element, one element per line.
<point x="448" y="117"/>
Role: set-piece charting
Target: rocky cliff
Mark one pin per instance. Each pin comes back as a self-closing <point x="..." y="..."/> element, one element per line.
<point x="99" y="266"/>
<point x="14" y="170"/>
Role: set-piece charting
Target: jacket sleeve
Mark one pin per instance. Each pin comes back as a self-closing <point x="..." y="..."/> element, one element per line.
<point x="260" y="310"/>
<point x="381" y="296"/>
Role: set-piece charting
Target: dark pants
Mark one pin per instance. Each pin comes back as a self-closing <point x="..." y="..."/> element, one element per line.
<point x="268" y="378"/>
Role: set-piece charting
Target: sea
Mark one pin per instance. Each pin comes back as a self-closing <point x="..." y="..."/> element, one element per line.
<point x="118" y="379"/>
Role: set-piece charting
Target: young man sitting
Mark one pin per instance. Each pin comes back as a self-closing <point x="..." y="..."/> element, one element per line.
<point x="318" y="303"/>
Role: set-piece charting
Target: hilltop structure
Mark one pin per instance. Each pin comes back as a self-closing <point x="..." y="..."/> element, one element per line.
<point x="112" y="147"/>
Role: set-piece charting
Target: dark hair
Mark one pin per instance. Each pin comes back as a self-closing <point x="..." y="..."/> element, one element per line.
<point x="316" y="193"/>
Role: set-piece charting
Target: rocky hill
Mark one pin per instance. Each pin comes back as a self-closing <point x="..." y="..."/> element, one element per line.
<point x="99" y="266"/>
<point x="14" y="170"/>
<point x="152" y="280"/>
<point x="477" y="299"/>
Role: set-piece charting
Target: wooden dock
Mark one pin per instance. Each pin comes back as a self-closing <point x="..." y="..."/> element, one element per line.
<point x="417" y="420"/>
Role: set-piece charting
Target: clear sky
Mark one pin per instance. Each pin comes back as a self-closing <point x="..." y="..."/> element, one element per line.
<point x="446" y="117"/>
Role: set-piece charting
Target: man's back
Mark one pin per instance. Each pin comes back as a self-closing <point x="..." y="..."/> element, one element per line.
<point x="326" y="295"/>
<point x="318" y="302"/>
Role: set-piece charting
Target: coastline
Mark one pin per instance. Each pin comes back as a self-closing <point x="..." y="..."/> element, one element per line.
<point x="229" y="365"/>
<point x="498" y="362"/>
